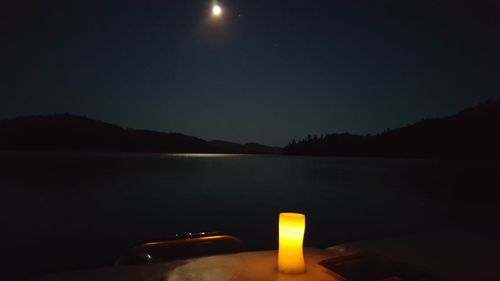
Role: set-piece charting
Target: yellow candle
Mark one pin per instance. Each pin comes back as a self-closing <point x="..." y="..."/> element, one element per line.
<point x="291" y="236"/>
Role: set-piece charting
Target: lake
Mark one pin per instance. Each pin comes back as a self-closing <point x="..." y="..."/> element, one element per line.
<point x="63" y="211"/>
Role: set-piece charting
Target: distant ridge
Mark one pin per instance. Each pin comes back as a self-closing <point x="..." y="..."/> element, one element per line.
<point x="472" y="133"/>
<point x="67" y="132"/>
<point x="249" y="148"/>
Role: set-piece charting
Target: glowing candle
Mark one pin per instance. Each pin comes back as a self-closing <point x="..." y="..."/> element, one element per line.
<point x="291" y="236"/>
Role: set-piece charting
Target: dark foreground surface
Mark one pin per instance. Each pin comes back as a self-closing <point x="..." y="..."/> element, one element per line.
<point x="62" y="211"/>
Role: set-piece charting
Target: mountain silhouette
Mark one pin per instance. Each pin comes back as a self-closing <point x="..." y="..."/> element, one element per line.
<point x="66" y="132"/>
<point x="248" y="148"/>
<point x="472" y="133"/>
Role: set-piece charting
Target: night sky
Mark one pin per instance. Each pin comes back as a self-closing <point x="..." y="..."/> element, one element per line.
<point x="265" y="71"/>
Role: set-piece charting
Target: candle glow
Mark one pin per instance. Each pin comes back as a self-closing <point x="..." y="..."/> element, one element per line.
<point x="291" y="236"/>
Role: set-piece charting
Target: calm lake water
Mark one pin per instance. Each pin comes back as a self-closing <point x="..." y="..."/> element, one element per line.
<point x="77" y="210"/>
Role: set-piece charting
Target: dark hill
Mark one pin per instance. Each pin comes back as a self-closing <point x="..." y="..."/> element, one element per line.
<point x="65" y="132"/>
<point x="472" y="133"/>
<point x="249" y="148"/>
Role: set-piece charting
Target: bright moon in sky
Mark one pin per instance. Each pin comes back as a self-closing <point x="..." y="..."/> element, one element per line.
<point x="216" y="10"/>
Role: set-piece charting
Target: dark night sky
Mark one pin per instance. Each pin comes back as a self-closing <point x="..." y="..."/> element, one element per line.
<point x="267" y="71"/>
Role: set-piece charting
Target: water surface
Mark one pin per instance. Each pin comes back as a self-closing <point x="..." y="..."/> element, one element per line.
<point x="77" y="210"/>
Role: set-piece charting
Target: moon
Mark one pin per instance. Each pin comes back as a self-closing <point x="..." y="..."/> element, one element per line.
<point x="216" y="10"/>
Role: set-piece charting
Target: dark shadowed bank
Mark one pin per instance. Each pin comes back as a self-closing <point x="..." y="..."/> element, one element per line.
<point x="66" y="132"/>
<point x="472" y="133"/>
